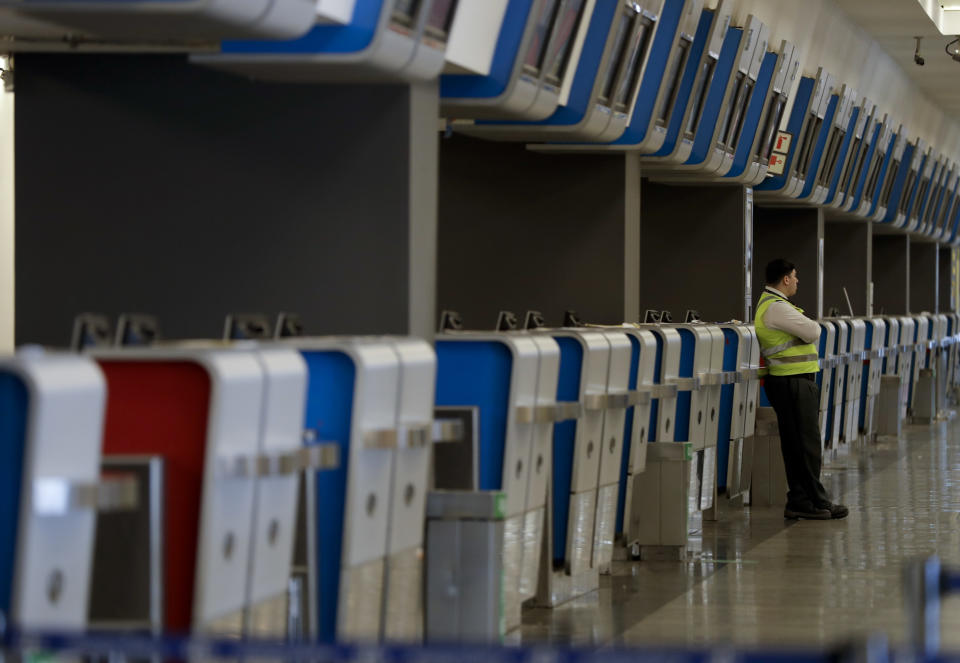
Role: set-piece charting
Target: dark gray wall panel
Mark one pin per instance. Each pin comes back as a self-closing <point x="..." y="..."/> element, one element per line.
<point x="945" y="284"/>
<point x="890" y="275"/>
<point x="521" y="230"/>
<point x="790" y="234"/>
<point x="845" y="266"/>
<point x="147" y="184"/>
<point x="923" y="277"/>
<point x="691" y="250"/>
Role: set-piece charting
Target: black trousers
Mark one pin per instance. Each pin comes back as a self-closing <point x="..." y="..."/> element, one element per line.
<point x="796" y="400"/>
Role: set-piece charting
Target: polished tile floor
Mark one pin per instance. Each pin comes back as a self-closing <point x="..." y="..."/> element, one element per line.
<point x="754" y="579"/>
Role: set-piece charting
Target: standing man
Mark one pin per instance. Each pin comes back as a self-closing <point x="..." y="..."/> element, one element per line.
<point x="788" y="345"/>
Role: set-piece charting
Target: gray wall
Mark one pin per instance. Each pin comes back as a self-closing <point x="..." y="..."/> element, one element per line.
<point x="890" y="274"/>
<point x="845" y="266"/>
<point x="691" y="250"/>
<point x="520" y="230"/>
<point x="945" y="280"/>
<point x="790" y="234"/>
<point x="146" y="184"/>
<point x="923" y="277"/>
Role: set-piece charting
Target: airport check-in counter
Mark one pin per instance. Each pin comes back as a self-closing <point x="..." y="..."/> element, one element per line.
<point x="536" y="52"/>
<point x="637" y="431"/>
<point x="738" y="408"/>
<point x="385" y="41"/>
<point x="605" y="74"/>
<point x="837" y="149"/>
<point x="52" y="406"/>
<point x="850" y="352"/>
<point x="828" y="366"/>
<point x="875" y="349"/>
<point x="176" y="21"/>
<point x="842" y="188"/>
<point x="838" y="385"/>
<point x="806" y="124"/>
<point x="813" y="160"/>
<point x="369" y="404"/>
<point x="201" y="411"/>
<point x="497" y="374"/>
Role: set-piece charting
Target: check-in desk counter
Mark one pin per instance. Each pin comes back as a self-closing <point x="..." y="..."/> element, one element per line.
<point x="662" y="523"/>
<point x="369" y="401"/>
<point x="825" y="378"/>
<point x="853" y="401"/>
<point x="606" y="66"/>
<point x="874" y="349"/>
<point x="637" y="432"/>
<point x="837" y="148"/>
<point x="497" y="374"/>
<point x="176" y="21"/>
<point x="200" y="410"/>
<point x="838" y="385"/>
<point x="738" y="408"/>
<point x="384" y="41"/>
<point x="806" y="124"/>
<point x="52" y="407"/>
<point x="853" y="154"/>
<point x="906" y="358"/>
<point x="896" y="163"/>
<point x="403" y="613"/>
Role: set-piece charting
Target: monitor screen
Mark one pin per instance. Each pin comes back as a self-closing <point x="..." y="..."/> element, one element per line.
<point x="673" y="81"/>
<point x="852" y="162"/>
<point x="830" y="156"/>
<point x="629" y="80"/>
<point x="561" y="40"/>
<point x="888" y="183"/>
<point x="730" y="135"/>
<point x="617" y="55"/>
<point x="538" y="43"/>
<point x="441" y="13"/>
<point x="771" y="127"/>
<point x="704" y="75"/>
<point x="405" y="11"/>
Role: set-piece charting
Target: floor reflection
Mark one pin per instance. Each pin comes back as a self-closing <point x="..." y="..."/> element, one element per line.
<point x="754" y="579"/>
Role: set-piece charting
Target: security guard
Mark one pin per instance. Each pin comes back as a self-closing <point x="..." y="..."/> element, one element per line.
<point x="788" y="345"/>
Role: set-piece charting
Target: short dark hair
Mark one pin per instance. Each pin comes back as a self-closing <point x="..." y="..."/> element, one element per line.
<point x="777" y="269"/>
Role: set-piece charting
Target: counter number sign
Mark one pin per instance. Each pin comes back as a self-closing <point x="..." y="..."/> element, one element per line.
<point x="778" y="157"/>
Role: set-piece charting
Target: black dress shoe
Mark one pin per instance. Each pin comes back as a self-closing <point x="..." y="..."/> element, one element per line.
<point x="806" y="512"/>
<point x="837" y="511"/>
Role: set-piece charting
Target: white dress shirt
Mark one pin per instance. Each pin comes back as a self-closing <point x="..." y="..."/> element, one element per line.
<point x="784" y="317"/>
